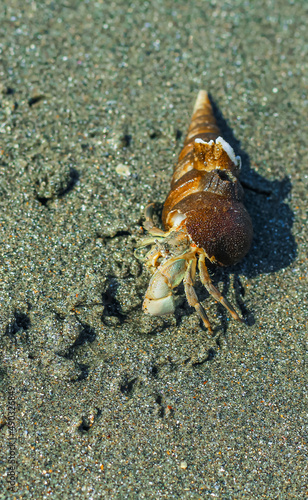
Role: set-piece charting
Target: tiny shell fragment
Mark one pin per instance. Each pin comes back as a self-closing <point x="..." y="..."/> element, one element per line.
<point x="122" y="170"/>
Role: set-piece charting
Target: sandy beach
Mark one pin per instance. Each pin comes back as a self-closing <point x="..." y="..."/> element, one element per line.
<point x="97" y="399"/>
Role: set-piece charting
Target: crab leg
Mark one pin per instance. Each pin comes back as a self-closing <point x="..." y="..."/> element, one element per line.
<point x="149" y="223"/>
<point x="191" y="294"/>
<point x="206" y="281"/>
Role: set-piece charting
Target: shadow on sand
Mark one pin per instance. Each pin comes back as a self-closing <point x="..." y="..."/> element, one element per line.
<point x="273" y="247"/>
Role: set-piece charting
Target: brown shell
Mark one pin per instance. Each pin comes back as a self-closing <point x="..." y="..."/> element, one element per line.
<point x="206" y="190"/>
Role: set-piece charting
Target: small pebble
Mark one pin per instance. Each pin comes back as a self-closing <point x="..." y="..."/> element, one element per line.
<point x="123" y="170"/>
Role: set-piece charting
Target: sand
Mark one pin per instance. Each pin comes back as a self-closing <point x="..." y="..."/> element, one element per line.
<point x="106" y="401"/>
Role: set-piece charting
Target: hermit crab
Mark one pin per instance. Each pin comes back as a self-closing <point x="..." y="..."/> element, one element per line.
<point x="204" y="218"/>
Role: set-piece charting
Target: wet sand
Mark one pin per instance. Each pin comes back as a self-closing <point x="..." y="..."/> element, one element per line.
<point x="95" y="100"/>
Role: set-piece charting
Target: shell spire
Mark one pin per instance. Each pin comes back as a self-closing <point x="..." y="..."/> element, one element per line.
<point x="202" y="126"/>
